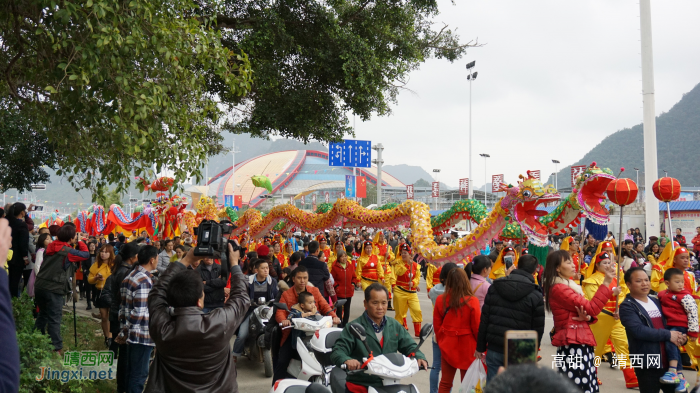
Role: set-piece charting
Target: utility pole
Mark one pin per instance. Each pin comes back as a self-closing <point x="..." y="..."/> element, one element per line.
<point x="650" y="163"/>
<point x="379" y="148"/>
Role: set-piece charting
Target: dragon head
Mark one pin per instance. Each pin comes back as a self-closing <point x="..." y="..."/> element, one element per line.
<point x="522" y="200"/>
<point x="590" y="192"/>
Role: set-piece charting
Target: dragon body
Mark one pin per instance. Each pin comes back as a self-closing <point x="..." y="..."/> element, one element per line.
<point x="519" y="204"/>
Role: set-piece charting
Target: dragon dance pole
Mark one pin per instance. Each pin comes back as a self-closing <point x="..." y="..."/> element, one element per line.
<point x="670" y="225"/>
<point x="619" y="257"/>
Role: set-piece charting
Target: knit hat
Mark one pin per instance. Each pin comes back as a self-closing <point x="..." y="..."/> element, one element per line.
<point x="263" y="251"/>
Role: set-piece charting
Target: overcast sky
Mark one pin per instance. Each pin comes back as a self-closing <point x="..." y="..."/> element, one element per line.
<point x="555" y="78"/>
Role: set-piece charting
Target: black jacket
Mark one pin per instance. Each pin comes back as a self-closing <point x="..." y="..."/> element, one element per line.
<point x="643" y="338"/>
<point x="318" y="272"/>
<point x="512" y="303"/>
<point x="190" y="340"/>
<point x="214" y="287"/>
<point x="20" y="242"/>
<point x="117" y="277"/>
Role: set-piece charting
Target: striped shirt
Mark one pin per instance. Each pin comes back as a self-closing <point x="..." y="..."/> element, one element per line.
<point x="133" y="312"/>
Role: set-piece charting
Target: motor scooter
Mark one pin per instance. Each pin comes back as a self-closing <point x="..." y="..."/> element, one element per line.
<point x="314" y="346"/>
<point x="391" y="368"/>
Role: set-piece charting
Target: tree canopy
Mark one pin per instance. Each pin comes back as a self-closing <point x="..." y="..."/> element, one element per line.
<point x="111" y="89"/>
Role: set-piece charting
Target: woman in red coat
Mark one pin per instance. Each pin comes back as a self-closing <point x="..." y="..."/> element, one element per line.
<point x="572" y="336"/>
<point x="456" y="319"/>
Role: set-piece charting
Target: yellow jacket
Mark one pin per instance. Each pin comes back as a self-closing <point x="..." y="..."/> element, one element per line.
<point x="363" y="260"/>
<point x="432" y="276"/>
<point x="105" y="270"/>
<point x="592" y="283"/>
<point x="401" y="268"/>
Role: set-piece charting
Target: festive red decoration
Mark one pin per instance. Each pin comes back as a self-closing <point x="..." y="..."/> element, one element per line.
<point x="622" y="191"/>
<point x="667" y="189"/>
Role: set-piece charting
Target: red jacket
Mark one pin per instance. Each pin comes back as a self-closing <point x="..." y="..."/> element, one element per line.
<point x="563" y="302"/>
<point x="457" y="329"/>
<point x="290" y="298"/>
<point x="57" y="245"/>
<point x="344" y="279"/>
<point x="673" y="309"/>
<point x="696" y="243"/>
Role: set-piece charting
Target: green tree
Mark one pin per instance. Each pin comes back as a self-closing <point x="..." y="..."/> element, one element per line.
<point x="422" y="183"/>
<point x="315" y="61"/>
<point x="109" y="198"/>
<point x="114" y="87"/>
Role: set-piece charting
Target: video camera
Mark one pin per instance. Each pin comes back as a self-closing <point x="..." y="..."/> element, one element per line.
<point x="210" y="238"/>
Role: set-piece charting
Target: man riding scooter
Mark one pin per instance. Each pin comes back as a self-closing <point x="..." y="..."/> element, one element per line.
<point x="385" y="335"/>
<point x="300" y="277"/>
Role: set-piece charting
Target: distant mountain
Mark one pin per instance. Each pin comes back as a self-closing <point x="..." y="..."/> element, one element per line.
<point x="410" y="174"/>
<point x="676" y="133"/>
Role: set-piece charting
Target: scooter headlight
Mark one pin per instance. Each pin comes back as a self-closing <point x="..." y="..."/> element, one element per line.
<point x="266" y="313"/>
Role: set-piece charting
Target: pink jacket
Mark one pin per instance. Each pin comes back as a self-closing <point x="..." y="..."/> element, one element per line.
<point x="480" y="287"/>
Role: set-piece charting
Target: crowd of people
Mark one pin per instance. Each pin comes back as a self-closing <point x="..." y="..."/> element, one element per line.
<point x="150" y="293"/>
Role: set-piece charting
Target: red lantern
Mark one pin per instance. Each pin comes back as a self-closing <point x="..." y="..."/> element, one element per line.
<point x="667" y="189"/>
<point x="622" y="191"/>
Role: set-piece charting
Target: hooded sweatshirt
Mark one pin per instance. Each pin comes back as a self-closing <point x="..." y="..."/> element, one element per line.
<point x="512" y="303"/>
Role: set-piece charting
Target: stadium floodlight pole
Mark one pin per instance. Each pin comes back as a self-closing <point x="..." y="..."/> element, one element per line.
<point x="485" y="176"/>
<point x="651" y="172"/>
<point x="556" y="173"/>
<point x="233" y="167"/>
<point x="637" y="170"/>
<point x="379" y="148"/>
<point x="471" y="77"/>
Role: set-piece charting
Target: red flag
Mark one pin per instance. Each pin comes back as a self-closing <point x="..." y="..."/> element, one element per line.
<point x="361" y="187"/>
<point x="496" y="181"/>
<point x="238" y="201"/>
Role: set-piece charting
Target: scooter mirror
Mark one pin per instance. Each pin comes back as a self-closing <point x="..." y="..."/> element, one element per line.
<point x="282" y="306"/>
<point x="340" y="303"/>
<point x="426" y="331"/>
<point x="358" y="331"/>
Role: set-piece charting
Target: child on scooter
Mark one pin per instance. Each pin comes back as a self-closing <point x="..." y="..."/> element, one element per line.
<point x="306" y="306"/>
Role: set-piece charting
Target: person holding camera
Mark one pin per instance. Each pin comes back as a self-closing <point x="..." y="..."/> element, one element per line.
<point x="214" y="279"/>
<point x="54" y="280"/>
<point x="505" y="263"/>
<point x="188" y="339"/>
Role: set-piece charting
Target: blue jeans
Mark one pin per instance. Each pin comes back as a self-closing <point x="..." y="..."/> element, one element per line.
<point x="239" y="344"/>
<point x="139" y="356"/>
<point x="672" y="351"/>
<point x="437" y="366"/>
<point x="494" y="360"/>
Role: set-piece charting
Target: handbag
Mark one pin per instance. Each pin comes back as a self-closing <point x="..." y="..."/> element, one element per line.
<point x="475" y="378"/>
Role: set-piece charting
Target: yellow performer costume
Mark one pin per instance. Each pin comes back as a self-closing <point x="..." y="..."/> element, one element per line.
<point x="608" y="326"/>
<point x="432" y="277"/>
<point x="571" y="245"/>
<point x="382" y="250"/>
<point x="405" y="292"/>
<point x="680" y="259"/>
<point x="368" y="270"/>
<point x="334" y="255"/>
<point x="499" y="267"/>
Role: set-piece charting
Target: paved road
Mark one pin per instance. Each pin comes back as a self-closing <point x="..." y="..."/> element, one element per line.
<point x="251" y="378"/>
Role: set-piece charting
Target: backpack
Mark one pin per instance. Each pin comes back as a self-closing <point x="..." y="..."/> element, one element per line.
<point x="52" y="277"/>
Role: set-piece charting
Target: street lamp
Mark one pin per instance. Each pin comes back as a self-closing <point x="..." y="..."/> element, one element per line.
<point x="485" y="177"/>
<point x="556" y="172"/>
<point x="471" y="77"/>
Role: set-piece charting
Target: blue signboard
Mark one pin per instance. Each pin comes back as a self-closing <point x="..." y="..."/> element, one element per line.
<point x="350" y="153"/>
<point x="349" y="186"/>
<point x="228" y="200"/>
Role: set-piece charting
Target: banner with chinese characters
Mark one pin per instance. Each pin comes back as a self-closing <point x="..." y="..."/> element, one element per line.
<point x="575" y="171"/>
<point x="535" y="174"/>
<point x="409" y="191"/>
<point x="463" y="186"/>
<point x="496" y="181"/>
<point x="436" y="190"/>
